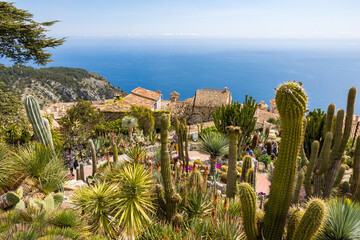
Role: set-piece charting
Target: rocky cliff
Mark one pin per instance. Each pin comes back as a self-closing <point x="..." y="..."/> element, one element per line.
<point x="57" y="84"/>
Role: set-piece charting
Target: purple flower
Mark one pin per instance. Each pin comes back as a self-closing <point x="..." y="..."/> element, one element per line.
<point x="218" y="165"/>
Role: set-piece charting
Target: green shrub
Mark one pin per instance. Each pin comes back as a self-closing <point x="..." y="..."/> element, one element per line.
<point x="266" y="159"/>
<point x="145" y="118"/>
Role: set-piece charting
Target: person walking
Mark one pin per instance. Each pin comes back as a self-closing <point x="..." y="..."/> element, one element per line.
<point x="69" y="160"/>
<point x="174" y="142"/>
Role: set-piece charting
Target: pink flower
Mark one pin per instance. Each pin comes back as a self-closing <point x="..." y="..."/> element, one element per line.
<point x="218" y="165"/>
<point x="178" y="228"/>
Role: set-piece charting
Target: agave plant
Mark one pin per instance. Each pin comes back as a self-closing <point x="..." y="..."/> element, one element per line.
<point x="136" y="153"/>
<point x="198" y="204"/>
<point x="7" y="171"/>
<point x="129" y="122"/>
<point x="216" y="145"/>
<point x="343" y="221"/>
<point x="39" y="162"/>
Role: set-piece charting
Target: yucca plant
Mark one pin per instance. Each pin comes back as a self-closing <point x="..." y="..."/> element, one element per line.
<point x="66" y="218"/>
<point x="342" y="222"/>
<point x="153" y="137"/>
<point x="136" y="153"/>
<point x="215" y="144"/>
<point x="96" y="202"/>
<point x="134" y="200"/>
<point x="41" y="163"/>
<point x="129" y="122"/>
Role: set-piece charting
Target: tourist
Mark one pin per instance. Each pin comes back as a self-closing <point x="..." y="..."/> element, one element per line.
<point x="174" y="142"/>
<point x="275" y="149"/>
<point x="69" y="160"/>
<point x="247" y="147"/>
<point x="261" y="145"/>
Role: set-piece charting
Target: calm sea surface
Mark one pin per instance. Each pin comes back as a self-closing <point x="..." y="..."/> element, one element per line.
<point x="327" y="70"/>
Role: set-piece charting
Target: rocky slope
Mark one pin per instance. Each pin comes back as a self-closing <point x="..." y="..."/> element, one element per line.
<point x="57" y="84"/>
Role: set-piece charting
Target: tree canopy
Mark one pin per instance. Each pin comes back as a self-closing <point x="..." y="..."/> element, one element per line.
<point x="22" y="39"/>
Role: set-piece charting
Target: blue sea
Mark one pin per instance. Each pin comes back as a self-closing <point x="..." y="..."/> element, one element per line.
<point x="255" y="67"/>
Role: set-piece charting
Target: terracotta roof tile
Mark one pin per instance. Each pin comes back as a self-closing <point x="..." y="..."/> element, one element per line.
<point x="146" y="93"/>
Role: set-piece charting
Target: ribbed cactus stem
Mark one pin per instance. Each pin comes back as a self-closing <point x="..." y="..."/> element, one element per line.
<point x="185" y="138"/>
<point x="254" y="141"/>
<point x="355" y="180"/>
<point x="291" y="103"/>
<point x="268" y="147"/>
<point x="115" y="153"/>
<point x="33" y="113"/>
<point x="325" y="153"/>
<point x="231" y="174"/>
<point x="339" y="176"/>
<point x="271" y="173"/>
<point x="337" y="152"/>
<point x="294" y="219"/>
<point x="248" y="198"/>
<point x="82" y="173"/>
<point x="255" y="174"/>
<point x="178" y="130"/>
<point x="78" y="174"/>
<point x="310" y="167"/>
<point x="312" y="220"/>
<point x="48" y="128"/>
<point x="247" y="164"/>
<point x="93" y="157"/>
<point x="299" y="182"/>
<point x="166" y="170"/>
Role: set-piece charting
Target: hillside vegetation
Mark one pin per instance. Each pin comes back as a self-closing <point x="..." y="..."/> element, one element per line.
<point x="57" y="84"/>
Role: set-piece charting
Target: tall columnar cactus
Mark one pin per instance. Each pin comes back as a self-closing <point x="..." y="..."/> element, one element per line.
<point x="339" y="176"/>
<point x="231" y="174"/>
<point x="328" y="161"/>
<point x="247" y="164"/>
<point x="310" y="167"/>
<point x="82" y="173"/>
<point x="255" y="174"/>
<point x="340" y="141"/>
<point x="254" y="140"/>
<point x="248" y="199"/>
<point x="268" y="147"/>
<point x="41" y="132"/>
<point x="299" y="182"/>
<point x="185" y="139"/>
<point x="115" y="153"/>
<point x="178" y="130"/>
<point x="93" y="157"/>
<point x="355" y="180"/>
<point x="311" y="221"/>
<point x="171" y="197"/>
<point x="250" y="177"/>
<point x="291" y="103"/>
<point x="271" y="173"/>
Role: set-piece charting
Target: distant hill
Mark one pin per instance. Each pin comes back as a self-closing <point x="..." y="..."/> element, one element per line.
<point x="57" y="84"/>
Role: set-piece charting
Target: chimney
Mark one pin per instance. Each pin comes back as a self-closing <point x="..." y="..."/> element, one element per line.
<point x="158" y="91"/>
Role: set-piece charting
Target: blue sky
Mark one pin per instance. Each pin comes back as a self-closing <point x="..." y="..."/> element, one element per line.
<point x="316" y="19"/>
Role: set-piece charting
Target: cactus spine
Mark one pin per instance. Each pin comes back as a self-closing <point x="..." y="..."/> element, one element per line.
<point x="171" y="197"/>
<point x="41" y="133"/>
<point x="294" y="219"/>
<point x="93" y="157"/>
<point x="291" y="102"/>
<point x="178" y="130"/>
<point x="231" y="174"/>
<point x="247" y="164"/>
<point x="312" y="220"/>
<point x="248" y="199"/>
